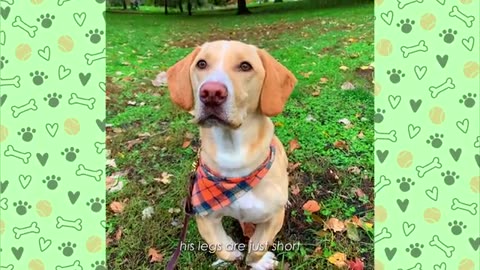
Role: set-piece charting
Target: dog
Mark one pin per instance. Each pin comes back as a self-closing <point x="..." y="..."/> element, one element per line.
<point x="231" y="89"/>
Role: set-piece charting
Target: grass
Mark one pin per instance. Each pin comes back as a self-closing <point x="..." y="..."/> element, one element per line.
<point x="146" y="132"/>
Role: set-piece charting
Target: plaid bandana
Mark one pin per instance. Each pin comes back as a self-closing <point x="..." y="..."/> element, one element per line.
<point x="212" y="192"/>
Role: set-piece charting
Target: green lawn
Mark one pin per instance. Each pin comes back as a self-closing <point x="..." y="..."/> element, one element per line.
<point x="324" y="48"/>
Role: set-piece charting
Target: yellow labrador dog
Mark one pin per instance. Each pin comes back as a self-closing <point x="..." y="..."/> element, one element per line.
<point x="232" y="88"/>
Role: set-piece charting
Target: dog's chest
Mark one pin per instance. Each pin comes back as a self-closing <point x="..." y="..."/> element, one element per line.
<point x="248" y="208"/>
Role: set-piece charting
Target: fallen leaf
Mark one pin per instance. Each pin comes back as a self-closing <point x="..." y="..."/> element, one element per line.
<point x="341" y="145"/>
<point x="323" y="80"/>
<point x="359" y="192"/>
<point x="353" y="40"/>
<point x="174" y="210"/>
<point x="293" y="144"/>
<point x="317" y="251"/>
<point x="306" y="74"/>
<point x="354" y="170"/>
<point x="352" y="232"/>
<point x="186" y="143"/>
<point x="132" y="143"/>
<point x="154" y="255"/>
<point x="144" y="135"/>
<point x="293" y="166"/>
<point x="357" y="221"/>
<point x="160" y="80"/>
<point x="110" y="182"/>
<point x="311" y="206"/>
<point x="165" y="179"/>
<point x="315" y="93"/>
<point x="360" y="135"/>
<point x="111" y="163"/>
<point x="345" y="121"/>
<point x="131" y="102"/>
<point x="116" y="207"/>
<point x="338" y="259"/>
<point x="335" y="225"/>
<point x="355" y="265"/>
<point x="295" y="190"/>
<point x="347" y="86"/>
<point x="344" y="68"/>
<point x="118" y="234"/>
<point x="147" y="213"/>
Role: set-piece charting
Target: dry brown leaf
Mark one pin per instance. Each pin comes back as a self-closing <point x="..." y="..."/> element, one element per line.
<point x="335" y="225"/>
<point x="354" y="170"/>
<point x="359" y="192"/>
<point x="111" y="163"/>
<point x="110" y="182"/>
<point x="293" y="144"/>
<point x="293" y="166"/>
<point x="306" y="74"/>
<point x="341" y="145"/>
<point x="338" y="259"/>
<point x="186" y="143"/>
<point x="356" y="265"/>
<point x="315" y="93"/>
<point x="118" y="234"/>
<point x="311" y="206"/>
<point x="360" y="135"/>
<point x="344" y="68"/>
<point x="347" y="86"/>
<point x="154" y="255"/>
<point x="116" y="207"/>
<point x="323" y="80"/>
<point x="165" y="179"/>
<point x="132" y="143"/>
<point x="295" y="190"/>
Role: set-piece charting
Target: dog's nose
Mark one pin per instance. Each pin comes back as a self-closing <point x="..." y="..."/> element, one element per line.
<point x="213" y="94"/>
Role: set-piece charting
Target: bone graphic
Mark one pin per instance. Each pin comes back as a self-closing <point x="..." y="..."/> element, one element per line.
<point x="420" y="47"/>
<point x="15" y="81"/>
<point x="383" y="234"/>
<point x="390" y="136"/>
<point x="95" y="56"/>
<point x="25" y="27"/>
<point x="19" y="232"/>
<point x="422" y="170"/>
<point x="11" y="152"/>
<point x="2" y="38"/>
<point x="382" y="183"/>
<point x="75" y="266"/>
<point x="436" y="90"/>
<point x="65" y="223"/>
<point x="61" y="2"/>
<point x="8" y="267"/>
<point x="100" y="147"/>
<point x="75" y="99"/>
<point x="404" y="3"/>
<point x="417" y="266"/>
<point x="448" y="250"/>
<point x="3" y="203"/>
<point x="90" y="173"/>
<point x="10" y="2"/>
<point x="468" y="20"/>
<point x="30" y="106"/>
<point x="471" y="208"/>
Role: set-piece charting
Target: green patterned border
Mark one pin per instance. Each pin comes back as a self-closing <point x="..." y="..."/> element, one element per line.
<point x="427" y="134"/>
<point x="52" y="134"/>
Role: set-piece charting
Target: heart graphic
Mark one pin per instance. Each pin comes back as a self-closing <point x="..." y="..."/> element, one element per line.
<point x="42" y="158"/>
<point x="476" y="144"/>
<point x="84" y="78"/>
<point x="442" y="60"/>
<point x="63" y="72"/>
<point x="469" y="43"/>
<point x="441" y="2"/>
<point x="52" y="129"/>
<point x="477" y="159"/>
<point x="463" y="125"/>
<point x="382" y="155"/>
<point x="3" y="203"/>
<point x="390" y="253"/>
<point x="3" y="186"/>
<point x="415" y="104"/>
<point x="25" y="180"/>
<point x="3" y="98"/>
<point x="387" y="17"/>
<point x="455" y="153"/>
<point x="101" y="124"/>
<point x="102" y="86"/>
<point x="4" y="12"/>
<point x="441" y="266"/>
<point x="73" y="196"/>
<point x="80" y="18"/>
<point x="432" y="193"/>
<point x="17" y="252"/>
<point x="403" y="204"/>
<point x="475" y="243"/>
<point x="408" y="228"/>
<point x="45" y="53"/>
<point x="44" y="244"/>
<point x="420" y="71"/>
<point x="413" y="131"/>
<point x="394" y="101"/>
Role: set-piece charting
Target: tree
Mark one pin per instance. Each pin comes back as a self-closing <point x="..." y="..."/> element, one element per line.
<point x="242" y="7"/>
<point x="166" y="7"/>
<point x="278" y="1"/>
<point x="189" y="7"/>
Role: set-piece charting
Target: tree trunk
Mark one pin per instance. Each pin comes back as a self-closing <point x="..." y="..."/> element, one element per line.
<point x="166" y="7"/>
<point x="124" y="2"/>
<point x="189" y="7"/>
<point x="180" y="5"/>
<point x="242" y="7"/>
<point x="278" y="1"/>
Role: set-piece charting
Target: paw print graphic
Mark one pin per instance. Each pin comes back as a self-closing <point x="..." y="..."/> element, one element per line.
<point x="3" y="62"/>
<point x="67" y="248"/>
<point x="448" y="35"/>
<point x="449" y="177"/>
<point x="53" y="99"/>
<point x="70" y="153"/>
<point x="95" y="204"/>
<point x="52" y="181"/>
<point x="468" y="100"/>
<point x="457" y="227"/>
<point x="415" y="250"/>
<point x="21" y="207"/>
<point x="395" y="75"/>
<point x="46" y="20"/>
<point x="38" y="77"/>
<point x="435" y="140"/>
<point x="99" y="265"/>
<point x="27" y="134"/>
<point x="95" y="36"/>
<point x="406" y="25"/>
<point x="378" y="117"/>
<point x="405" y="184"/>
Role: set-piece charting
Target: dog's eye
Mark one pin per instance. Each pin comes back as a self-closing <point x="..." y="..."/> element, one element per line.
<point x="202" y="64"/>
<point x="245" y="66"/>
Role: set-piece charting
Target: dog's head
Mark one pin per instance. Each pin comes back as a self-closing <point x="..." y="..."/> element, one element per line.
<point x="224" y="81"/>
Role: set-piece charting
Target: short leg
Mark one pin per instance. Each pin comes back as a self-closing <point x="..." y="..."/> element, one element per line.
<point x="259" y="258"/>
<point x="212" y="232"/>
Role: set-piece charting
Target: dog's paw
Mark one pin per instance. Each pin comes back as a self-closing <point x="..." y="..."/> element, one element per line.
<point x="267" y="262"/>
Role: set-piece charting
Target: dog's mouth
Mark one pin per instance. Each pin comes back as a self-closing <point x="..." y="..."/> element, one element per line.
<point x="211" y="118"/>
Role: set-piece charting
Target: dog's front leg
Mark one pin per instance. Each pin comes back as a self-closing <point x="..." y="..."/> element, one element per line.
<point x="214" y="234"/>
<point x="259" y="258"/>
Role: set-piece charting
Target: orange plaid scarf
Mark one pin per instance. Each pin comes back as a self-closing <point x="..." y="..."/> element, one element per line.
<point x="212" y="192"/>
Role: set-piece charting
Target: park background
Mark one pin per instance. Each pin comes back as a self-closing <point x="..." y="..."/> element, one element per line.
<point x="327" y="128"/>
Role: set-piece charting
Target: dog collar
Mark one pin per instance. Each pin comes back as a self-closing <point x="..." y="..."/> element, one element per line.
<point x="212" y="191"/>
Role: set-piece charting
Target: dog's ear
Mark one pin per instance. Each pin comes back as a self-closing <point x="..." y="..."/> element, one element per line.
<point x="179" y="83"/>
<point x="277" y="85"/>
